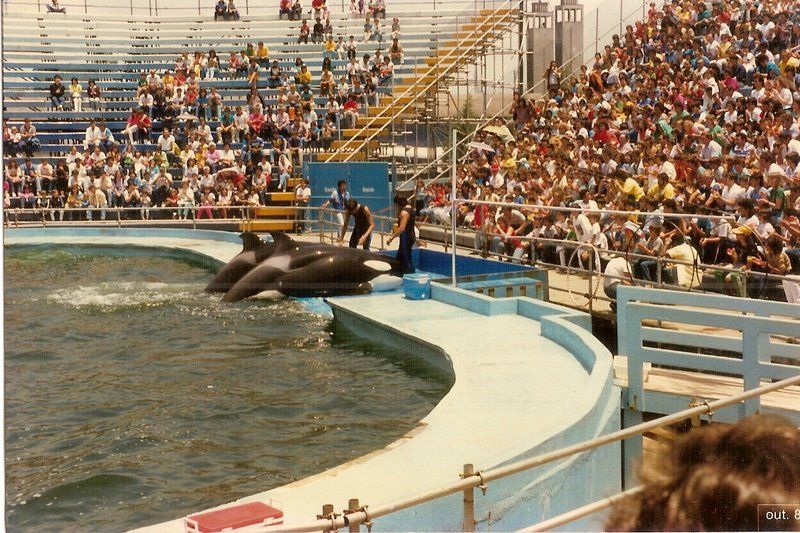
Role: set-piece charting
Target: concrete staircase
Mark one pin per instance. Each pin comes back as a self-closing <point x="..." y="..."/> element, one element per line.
<point x="278" y="216"/>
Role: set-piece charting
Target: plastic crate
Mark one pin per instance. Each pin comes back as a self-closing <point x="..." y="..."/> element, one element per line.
<point x="417" y="286"/>
<point x="235" y="516"/>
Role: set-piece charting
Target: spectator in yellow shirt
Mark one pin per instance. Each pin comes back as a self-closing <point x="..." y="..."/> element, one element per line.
<point x="329" y="48"/>
<point x="304" y="76"/>
<point x="661" y="189"/>
<point x="262" y="55"/>
<point x="628" y="186"/>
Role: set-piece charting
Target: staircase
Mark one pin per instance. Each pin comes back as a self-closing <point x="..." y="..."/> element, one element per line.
<point x="409" y="98"/>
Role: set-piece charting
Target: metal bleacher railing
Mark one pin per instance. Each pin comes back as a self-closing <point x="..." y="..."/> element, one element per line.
<point x="582" y="282"/>
<point x="445" y="64"/>
<point x="194" y="8"/>
<point x="363" y="514"/>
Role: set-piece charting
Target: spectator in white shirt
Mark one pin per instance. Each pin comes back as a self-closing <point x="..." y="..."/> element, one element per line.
<point x="92" y="137"/>
<point x="167" y="143"/>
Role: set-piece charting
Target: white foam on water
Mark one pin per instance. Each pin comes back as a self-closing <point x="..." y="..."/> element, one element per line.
<point x="123" y="294"/>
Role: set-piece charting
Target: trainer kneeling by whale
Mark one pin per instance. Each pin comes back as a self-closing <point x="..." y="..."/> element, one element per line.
<point x="303" y="269"/>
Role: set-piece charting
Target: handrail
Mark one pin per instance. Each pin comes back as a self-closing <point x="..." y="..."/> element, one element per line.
<point x="441" y="73"/>
<point x="193" y="8"/>
<point x="438" y="159"/>
<point x="580" y="512"/>
<point x="480" y="478"/>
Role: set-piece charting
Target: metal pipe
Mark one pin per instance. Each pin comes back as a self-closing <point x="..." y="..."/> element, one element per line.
<point x="353" y="506"/>
<point x="580" y="512"/>
<point x="598" y="211"/>
<point x="497" y="473"/>
<point x="468" y="525"/>
<point x="454" y="210"/>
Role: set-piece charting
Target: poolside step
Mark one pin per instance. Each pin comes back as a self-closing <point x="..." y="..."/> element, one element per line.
<point x="282" y="197"/>
<point x="266" y="225"/>
<point x="271" y="212"/>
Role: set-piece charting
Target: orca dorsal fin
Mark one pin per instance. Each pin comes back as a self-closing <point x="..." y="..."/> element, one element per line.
<point x="250" y="241"/>
<point x="282" y="241"/>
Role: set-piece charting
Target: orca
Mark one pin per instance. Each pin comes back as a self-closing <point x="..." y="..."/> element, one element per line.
<point x="313" y="270"/>
<point x="254" y="251"/>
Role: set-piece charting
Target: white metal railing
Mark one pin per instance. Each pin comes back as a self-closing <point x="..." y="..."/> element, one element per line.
<point x="325" y="223"/>
<point x="191" y="214"/>
<point x="415" y="92"/>
<point x="205" y="8"/>
<point x="364" y="514"/>
<point x="581" y="512"/>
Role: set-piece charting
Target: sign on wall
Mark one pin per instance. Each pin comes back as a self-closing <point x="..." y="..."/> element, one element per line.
<point x="368" y="183"/>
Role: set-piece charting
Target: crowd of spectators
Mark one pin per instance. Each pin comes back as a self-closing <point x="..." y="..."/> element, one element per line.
<point x="250" y="150"/>
<point x="695" y="110"/>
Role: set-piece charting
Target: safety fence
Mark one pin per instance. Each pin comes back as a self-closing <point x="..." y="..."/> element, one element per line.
<point x="582" y="267"/>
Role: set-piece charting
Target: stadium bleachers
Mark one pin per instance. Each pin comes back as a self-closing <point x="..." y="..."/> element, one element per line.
<point x="115" y="50"/>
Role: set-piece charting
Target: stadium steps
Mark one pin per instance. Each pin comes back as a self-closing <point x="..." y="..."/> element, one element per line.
<point x="277" y="216"/>
<point x="398" y="107"/>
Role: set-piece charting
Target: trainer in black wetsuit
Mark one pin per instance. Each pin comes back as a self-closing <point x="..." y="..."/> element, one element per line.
<point x="363" y="224"/>
<point x="405" y="230"/>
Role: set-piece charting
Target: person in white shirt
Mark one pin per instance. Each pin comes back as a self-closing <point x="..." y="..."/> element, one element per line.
<point x="204" y="131"/>
<point x="97" y="157"/>
<point x="97" y="200"/>
<point x="167" y="143"/>
<point x="687" y="273"/>
<point x="241" y="126"/>
<point x="93" y="135"/>
<point x="583" y="232"/>
<point x="227" y="156"/>
<point x="711" y="149"/>
<point x="731" y="193"/>
<point x="73" y="156"/>
<point x="302" y="196"/>
<point x="617" y="272"/>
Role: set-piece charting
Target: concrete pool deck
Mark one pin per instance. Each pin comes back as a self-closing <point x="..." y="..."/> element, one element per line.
<point x="528" y="377"/>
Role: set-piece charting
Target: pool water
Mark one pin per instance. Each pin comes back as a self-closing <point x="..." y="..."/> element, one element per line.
<point x="133" y="397"/>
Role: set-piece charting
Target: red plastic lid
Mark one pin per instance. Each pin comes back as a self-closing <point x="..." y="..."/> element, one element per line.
<point x="246" y="514"/>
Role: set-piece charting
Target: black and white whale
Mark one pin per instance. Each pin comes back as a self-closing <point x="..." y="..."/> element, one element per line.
<point x="254" y="251"/>
<point x="313" y="270"/>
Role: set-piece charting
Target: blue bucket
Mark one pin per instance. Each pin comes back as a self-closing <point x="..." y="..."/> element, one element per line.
<point x="417" y="286"/>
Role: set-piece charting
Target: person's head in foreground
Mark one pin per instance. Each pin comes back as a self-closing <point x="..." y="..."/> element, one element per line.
<point x="714" y="478"/>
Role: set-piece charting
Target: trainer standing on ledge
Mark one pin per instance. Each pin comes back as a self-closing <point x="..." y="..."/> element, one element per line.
<point x="405" y="229"/>
<point x="362" y="226"/>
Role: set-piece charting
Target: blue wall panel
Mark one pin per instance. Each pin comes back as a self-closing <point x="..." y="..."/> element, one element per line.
<point x="368" y="183"/>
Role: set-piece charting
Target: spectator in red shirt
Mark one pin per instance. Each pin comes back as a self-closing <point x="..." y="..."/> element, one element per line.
<point x="138" y="123"/>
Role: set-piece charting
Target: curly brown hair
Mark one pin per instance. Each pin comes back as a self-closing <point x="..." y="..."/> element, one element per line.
<point x="714" y="478"/>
